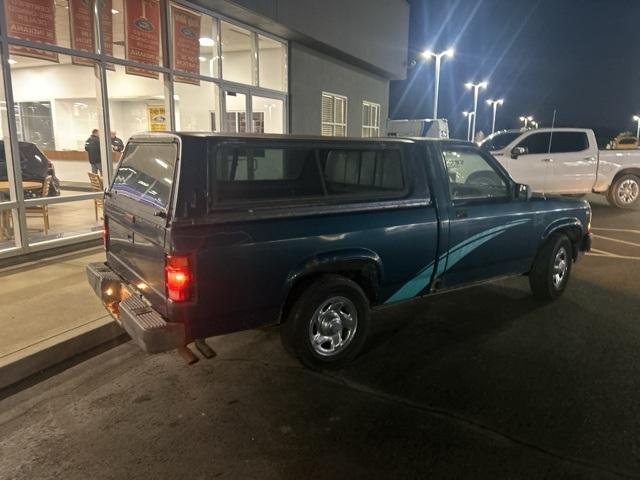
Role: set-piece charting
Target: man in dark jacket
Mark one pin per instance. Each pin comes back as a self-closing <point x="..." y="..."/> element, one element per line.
<point x="92" y="146"/>
<point x="117" y="145"/>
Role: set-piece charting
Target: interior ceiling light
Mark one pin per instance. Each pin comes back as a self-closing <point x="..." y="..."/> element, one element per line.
<point x="207" y="42"/>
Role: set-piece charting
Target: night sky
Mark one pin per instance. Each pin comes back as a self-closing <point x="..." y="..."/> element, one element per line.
<point x="581" y="57"/>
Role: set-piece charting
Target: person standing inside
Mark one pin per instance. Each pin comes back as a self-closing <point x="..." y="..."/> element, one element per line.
<point x="92" y="146"/>
<point x="117" y="144"/>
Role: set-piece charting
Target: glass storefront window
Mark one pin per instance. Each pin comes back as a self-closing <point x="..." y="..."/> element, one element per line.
<point x="8" y="217"/>
<point x="237" y="52"/>
<point x="268" y="115"/>
<point x="137" y="102"/>
<point x="209" y="39"/>
<point x="236" y="112"/>
<point x="56" y="110"/>
<point x="272" y="63"/>
<point x="197" y="107"/>
<point x="62" y="220"/>
<point x="135" y="31"/>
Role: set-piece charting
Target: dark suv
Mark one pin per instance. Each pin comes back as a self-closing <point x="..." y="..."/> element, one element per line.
<point x="208" y="234"/>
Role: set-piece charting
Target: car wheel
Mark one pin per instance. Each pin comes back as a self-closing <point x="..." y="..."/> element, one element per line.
<point x="328" y="324"/>
<point x="552" y="268"/>
<point x="625" y="191"/>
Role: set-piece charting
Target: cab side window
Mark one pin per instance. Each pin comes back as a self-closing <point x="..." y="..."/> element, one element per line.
<point x="536" y="143"/>
<point x="471" y="176"/>
<point x="566" y="142"/>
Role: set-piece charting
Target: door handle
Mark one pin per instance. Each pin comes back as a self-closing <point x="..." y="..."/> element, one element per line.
<point x="589" y="159"/>
<point x="548" y="160"/>
<point x="462" y="213"/>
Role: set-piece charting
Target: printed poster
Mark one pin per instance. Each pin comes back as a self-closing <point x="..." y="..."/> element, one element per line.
<point x="81" y="22"/>
<point x="186" y="43"/>
<point x="32" y="20"/>
<point x="142" y="35"/>
<point x="157" y="118"/>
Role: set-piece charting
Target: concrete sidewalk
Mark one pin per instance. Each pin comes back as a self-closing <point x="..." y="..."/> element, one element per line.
<point x="48" y="313"/>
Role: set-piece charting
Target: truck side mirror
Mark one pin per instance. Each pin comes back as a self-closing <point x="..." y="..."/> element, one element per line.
<point x="517" y="151"/>
<point x="523" y="191"/>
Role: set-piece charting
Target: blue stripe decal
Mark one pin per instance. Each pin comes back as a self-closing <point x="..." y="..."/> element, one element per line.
<point x="447" y="260"/>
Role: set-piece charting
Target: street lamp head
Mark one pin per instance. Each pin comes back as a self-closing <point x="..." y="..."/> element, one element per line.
<point x="450" y="52"/>
<point x="522" y="119"/>
<point x="501" y="101"/>
<point x="530" y="118"/>
<point x="490" y="102"/>
<point x="484" y="84"/>
<point x="466" y="114"/>
<point x="469" y="85"/>
<point x="636" y="118"/>
<point x="427" y="54"/>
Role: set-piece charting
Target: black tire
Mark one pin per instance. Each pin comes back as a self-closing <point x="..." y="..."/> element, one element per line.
<point x="301" y="323"/>
<point x="615" y="195"/>
<point x="544" y="285"/>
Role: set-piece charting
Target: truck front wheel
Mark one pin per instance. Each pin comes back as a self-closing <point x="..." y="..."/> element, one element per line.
<point x="327" y="325"/>
<point x="551" y="270"/>
<point x="625" y="191"/>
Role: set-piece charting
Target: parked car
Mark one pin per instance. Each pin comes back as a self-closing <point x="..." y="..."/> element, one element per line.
<point x="625" y="143"/>
<point x="208" y="234"/>
<point x="34" y="166"/>
<point x="567" y="161"/>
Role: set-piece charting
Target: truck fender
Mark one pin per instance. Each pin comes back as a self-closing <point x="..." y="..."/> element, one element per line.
<point x="570" y="225"/>
<point x="364" y="263"/>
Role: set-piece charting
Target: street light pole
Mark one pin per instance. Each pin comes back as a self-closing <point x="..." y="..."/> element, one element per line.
<point x="476" y="89"/>
<point x="469" y="116"/>
<point x="526" y="120"/>
<point x="637" y="119"/>
<point x="438" y="56"/>
<point x="494" y="104"/>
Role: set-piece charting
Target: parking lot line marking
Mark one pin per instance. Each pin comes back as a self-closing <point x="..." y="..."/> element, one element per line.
<point x="618" y="257"/>
<point x="602" y="252"/>
<point x="618" y="241"/>
<point x="623" y="230"/>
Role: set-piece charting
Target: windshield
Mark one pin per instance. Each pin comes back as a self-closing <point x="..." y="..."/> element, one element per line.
<point x="499" y="141"/>
<point x="146" y="173"/>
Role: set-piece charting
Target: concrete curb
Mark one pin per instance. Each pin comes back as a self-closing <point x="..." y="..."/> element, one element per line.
<point x="19" y="366"/>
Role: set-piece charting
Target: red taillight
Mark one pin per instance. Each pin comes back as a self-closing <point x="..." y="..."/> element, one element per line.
<point x="178" y="277"/>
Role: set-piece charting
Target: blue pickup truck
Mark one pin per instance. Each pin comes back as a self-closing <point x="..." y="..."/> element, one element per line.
<point x="210" y="234"/>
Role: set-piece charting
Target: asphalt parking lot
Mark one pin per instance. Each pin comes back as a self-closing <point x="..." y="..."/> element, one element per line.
<point x="482" y="383"/>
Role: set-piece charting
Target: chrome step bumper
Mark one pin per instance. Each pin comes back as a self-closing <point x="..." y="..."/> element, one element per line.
<point x="144" y="324"/>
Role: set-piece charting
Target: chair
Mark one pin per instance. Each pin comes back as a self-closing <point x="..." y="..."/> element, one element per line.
<point x="43" y="209"/>
<point x="96" y="186"/>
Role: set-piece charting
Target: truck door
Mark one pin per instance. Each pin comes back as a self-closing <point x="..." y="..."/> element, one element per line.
<point x="490" y="231"/>
<point x="533" y="167"/>
<point x="574" y="162"/>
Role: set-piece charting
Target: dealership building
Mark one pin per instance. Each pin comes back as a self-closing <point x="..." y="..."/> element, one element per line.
<point x="125" y="66"/>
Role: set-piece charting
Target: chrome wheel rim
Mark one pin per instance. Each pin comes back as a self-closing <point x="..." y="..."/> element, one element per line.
<point x="628" y="191"/>
<point x="560" y="267"/>
<point x="333" y="326"/>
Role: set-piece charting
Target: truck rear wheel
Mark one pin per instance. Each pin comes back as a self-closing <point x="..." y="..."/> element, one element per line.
<point x="552" y="268"/>
<point x="625" y="191"/>
<point x="328" y="324"/>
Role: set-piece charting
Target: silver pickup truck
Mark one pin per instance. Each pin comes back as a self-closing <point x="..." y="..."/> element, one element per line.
<point x="567" y="161"/>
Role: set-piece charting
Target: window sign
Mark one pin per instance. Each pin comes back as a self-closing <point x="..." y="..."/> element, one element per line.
<point x="186" y="44"/>
<point x="81" y="21"/>
<point x="142" y="37"/>
<point x="157" y="118"/>
<point x="32" y="20"/>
